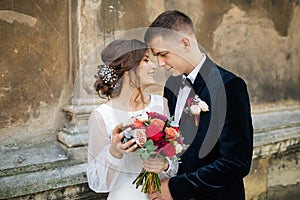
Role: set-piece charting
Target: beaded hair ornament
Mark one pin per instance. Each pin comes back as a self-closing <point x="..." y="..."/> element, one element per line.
<point x="108" y="75"/>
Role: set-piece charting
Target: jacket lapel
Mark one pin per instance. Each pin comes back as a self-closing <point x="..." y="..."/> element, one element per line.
<point x="171" y="92"/>
<point x="199" y="82"/>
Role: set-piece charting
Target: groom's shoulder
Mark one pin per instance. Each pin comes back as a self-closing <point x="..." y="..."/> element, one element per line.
<point x="227" y="75"/>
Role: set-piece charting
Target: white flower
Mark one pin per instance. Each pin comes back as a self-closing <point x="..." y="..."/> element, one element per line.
<point x="196" y="98"/>
<point x="142" y="117"/>
<point x="195" y="109"/>
<point x="203" y="106"/>
<point x="178" y="148"/>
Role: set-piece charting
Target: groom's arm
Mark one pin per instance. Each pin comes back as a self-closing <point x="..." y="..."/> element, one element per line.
<point x="235" y="148"/>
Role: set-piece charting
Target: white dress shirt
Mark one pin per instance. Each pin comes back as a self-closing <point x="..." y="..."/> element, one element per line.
<point x="184" y="92"/>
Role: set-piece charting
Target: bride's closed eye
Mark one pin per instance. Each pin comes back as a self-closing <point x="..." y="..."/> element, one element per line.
<point x="146" y="59"/>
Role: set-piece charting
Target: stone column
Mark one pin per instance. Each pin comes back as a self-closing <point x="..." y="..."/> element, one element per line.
<point x="92" y="25"/>
<point x="86" y="42"/>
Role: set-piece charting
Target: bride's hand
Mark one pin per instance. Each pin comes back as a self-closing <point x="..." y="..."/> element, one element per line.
<point x="117" y="148"/>
<point x="156" y="164"/>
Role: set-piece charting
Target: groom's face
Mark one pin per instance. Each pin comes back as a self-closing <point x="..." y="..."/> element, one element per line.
<point x="169" y="54"/>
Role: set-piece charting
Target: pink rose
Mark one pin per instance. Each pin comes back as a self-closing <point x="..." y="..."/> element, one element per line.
<point x="169" y="150"/>
<point x="157" y="122"/>
<point x="140" y="137"/>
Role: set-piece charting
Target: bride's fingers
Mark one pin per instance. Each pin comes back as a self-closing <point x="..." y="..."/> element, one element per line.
<point x="117" y="135"/>
<point x="129" y="146"/>
<point x="132" y="148"/>
<point x="117" y="129"/>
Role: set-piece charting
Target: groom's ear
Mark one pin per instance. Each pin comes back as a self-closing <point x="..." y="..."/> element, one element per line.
<point x="185" y="43"/>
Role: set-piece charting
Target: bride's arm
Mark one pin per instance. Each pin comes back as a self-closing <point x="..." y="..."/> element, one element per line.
<point x="172" y="169"/>
<point x="103" y="168"/>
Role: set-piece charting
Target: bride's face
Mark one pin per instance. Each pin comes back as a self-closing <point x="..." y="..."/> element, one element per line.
<point x="146" y="71"/>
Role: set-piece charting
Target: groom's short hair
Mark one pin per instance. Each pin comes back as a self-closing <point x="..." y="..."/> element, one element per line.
<point x="169" y="22"/>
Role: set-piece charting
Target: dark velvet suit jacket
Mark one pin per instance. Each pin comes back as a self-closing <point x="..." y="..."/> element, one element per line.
<point x="220" y="150"/>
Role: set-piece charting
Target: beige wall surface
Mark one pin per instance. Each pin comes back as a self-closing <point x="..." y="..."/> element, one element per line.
<point x="46" y="46"/>
<point x="34" y="67"/>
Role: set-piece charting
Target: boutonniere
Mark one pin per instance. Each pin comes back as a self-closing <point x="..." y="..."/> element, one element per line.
<point x="195" y="106"/>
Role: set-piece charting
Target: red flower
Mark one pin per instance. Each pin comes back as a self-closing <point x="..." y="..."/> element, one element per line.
<point x="157" y="122"/>
<point x="160" y="144"/>
<point x="189" y="101"/>
<point x="153" y="132"/>
<point x="153" y="115"/>
<point x="138" y="124"/>
<point x="169" y="150"/>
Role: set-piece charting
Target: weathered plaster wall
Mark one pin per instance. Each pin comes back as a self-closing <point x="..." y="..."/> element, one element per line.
<point x="275" y="176"/>
<point x="34" y="68"/>
<point x="42" y="56"/>
<point x="259" y="40"/>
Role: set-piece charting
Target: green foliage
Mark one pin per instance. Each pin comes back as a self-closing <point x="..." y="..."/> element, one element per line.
<point x="147" y="150"/>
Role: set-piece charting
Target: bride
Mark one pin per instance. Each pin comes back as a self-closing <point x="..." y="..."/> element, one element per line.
<point x="113" y="165"/>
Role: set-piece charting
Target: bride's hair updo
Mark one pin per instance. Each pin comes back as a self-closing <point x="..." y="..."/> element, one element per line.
<point x="119" y="56"/>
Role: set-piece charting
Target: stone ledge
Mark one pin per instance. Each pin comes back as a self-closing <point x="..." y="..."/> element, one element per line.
<point x="54" y="176"/>
<point x="73" y="140"/>
<point x="29" y="183"/>
<point x="80" y="191"/>
<point x="275" y="136"/>
<point x="18" y="159"/>
<point x="275" y="120"/>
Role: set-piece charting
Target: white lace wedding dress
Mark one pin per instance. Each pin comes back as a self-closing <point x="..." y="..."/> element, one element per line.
<point x="108" y="174"/>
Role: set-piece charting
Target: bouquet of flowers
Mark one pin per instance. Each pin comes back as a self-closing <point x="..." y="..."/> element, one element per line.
<point x="156" y="135"/>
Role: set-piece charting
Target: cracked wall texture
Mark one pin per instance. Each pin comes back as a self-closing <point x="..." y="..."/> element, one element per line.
<point x="258" y="40"/>
<point x="33" y="66"/>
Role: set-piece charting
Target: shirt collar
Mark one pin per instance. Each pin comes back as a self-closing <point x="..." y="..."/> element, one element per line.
<point x="192" y="76"/>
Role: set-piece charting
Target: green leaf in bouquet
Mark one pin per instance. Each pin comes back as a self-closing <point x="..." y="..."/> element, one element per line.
<point x="169" y="121"/>
<point x="145" y="156"/>
<point x="141" y="151"/>
<point x="147" y="122"/>
<point x="151" y="148"/>
<point x="149" y="142"/>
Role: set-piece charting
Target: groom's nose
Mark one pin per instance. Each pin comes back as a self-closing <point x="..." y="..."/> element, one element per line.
<point x="160" y="61"/>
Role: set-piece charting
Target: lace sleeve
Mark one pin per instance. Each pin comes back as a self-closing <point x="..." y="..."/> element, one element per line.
<point x="103" y="169"/>
<point x="172" y="170"/>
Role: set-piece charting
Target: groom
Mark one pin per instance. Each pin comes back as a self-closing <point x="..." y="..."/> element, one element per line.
<point x="220" y="139"/>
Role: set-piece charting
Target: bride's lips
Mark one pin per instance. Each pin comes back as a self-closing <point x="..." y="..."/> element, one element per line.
<point x="151" y="73"/>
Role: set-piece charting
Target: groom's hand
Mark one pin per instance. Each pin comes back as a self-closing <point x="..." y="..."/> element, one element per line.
<point x="165" y="192"/>
<point x="117" y="148"/>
